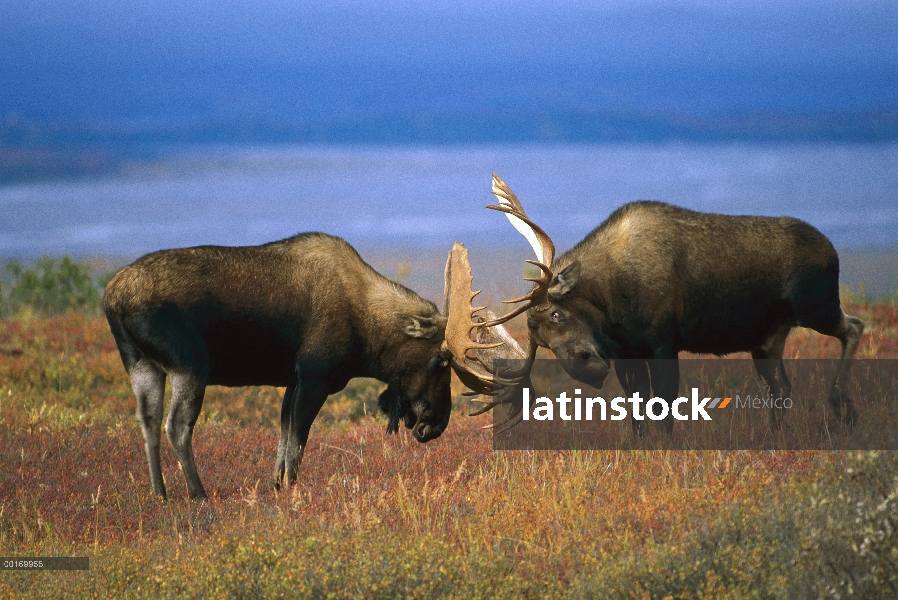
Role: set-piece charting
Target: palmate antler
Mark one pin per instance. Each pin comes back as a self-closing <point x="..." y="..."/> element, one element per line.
<point x="539" y="240"/>
<point x="473" y="371"/>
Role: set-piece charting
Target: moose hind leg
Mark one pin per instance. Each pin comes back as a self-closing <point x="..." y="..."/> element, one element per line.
<point x="187" y="400"/>
<point x="768" y="361"/>
<point x="848" y="331"/>
<point x="148" y="382"/>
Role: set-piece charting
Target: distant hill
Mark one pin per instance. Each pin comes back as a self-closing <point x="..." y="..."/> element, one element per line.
<point x="33" y="150"/>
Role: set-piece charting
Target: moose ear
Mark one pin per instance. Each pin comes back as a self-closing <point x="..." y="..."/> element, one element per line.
<point x="417" y="326"/>
<point x="564" y="282"/>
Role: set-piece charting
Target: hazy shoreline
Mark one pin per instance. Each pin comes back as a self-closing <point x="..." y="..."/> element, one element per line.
<point x="871" y="273"/>
<point x="409" y="204"/>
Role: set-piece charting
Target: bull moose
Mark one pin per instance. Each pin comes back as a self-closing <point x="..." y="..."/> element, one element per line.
<point x="655" y="279"/>
<point x="306" y="313"/>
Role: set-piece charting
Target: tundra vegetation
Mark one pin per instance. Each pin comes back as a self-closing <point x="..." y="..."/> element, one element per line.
<point x="384" y="516"/>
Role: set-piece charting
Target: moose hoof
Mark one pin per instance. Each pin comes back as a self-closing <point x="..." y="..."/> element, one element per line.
<point x="775" y="419"/>
<point x="665" y="426"/>
<point x="843" y="407"/>
<point x="850" y="416"/>
<point x="281" y="482"/>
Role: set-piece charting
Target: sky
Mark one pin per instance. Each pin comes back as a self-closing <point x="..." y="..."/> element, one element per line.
<point x="173" y="61"/>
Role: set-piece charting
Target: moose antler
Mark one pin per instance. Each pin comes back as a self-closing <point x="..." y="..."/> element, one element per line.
<point x="478" y="372"/>
<point x="471" y="370"/>
<point x="539" y="240"/>
<point x="500" y="345"/>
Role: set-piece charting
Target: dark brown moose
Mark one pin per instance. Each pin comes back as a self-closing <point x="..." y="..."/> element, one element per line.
<point x="655" y="279"/>
<point x="306" y="313"/>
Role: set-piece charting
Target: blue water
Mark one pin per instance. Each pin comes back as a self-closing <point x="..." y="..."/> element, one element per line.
<point x="425" y="198"/>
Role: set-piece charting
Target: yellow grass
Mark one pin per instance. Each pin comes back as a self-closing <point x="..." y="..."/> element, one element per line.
<point x="383" y="516"/>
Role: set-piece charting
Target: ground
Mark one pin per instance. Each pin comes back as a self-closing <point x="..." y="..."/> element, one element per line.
<point x="375" y="515"/>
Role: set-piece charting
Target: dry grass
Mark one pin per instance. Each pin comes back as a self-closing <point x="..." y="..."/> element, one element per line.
<point x="383" y="516"/>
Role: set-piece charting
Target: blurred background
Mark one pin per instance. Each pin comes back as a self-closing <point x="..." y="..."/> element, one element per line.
<point x="128" y="127"/>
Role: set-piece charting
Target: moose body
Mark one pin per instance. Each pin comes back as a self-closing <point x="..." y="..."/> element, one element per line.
<point x="663" y="279"/>
<point x="654" y="280"/>
<point x="306" y="313"/>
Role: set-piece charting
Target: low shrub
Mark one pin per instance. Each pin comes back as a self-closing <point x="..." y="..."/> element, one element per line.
<point x="50" y="287"/>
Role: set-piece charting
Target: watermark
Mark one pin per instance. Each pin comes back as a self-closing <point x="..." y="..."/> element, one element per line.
<point x="656" y="409"/>
<point x="44" y="563"/>
<point x="717" y="404"/>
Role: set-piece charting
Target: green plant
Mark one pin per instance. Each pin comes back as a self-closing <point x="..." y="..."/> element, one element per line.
<point x="51" y="286"/>
<point x="851" y="534"/>
<point x="362" y="394"/>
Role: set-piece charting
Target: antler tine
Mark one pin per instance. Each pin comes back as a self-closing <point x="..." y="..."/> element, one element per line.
<point x="488" y="358"/>
<point x="514" y="417"/>
<point x="505" y="397"/>
<point x="502" y="396"/>
<point x="509" y="204"/>
<point x="507" y="425"/>
<point x="515" y="312"/>
<point x="487" y="406"/>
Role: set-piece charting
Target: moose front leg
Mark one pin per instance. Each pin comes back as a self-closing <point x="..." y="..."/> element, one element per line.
<point x="665" y="383"/>
<point x="633" y="375"/>
<point x="286" y="406"/>
<point x="307" y="400"/>
<point x="658" y="377"/>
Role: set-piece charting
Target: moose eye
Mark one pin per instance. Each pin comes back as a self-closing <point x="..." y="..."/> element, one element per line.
<point x="555" y="317"/>
<point x="437" y="362"/>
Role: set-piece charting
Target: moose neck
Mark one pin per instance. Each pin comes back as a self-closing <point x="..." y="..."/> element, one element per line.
<point x="593" y="275"/>
<point x="387" y="306"/>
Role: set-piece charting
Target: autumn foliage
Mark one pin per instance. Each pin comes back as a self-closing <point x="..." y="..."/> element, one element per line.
<point x="384" y="516"/>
